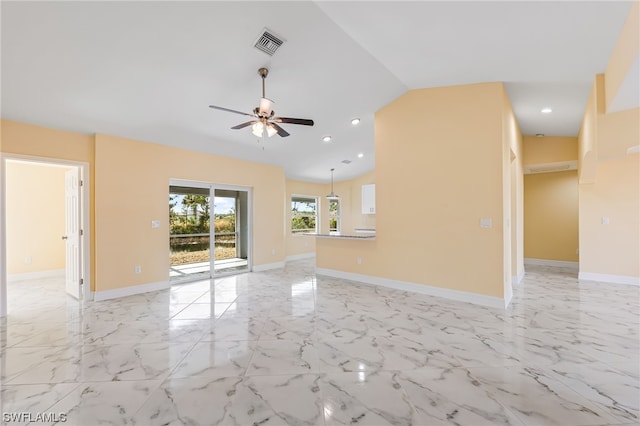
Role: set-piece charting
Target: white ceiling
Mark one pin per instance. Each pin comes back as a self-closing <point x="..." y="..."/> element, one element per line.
<point x="149" y="70"/>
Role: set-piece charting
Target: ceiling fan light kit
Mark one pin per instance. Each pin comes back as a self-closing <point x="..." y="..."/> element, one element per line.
<point x="259" y="128"/>
<point x="264" y="122"/>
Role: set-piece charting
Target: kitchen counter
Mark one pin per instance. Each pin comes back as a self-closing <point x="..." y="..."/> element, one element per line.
<point x="343" y="236"/>
<point x="365" y="230"/>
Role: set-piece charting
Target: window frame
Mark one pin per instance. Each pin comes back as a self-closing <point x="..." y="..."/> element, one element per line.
<point x="337" y="216"/>
<point x="294" y="214"/>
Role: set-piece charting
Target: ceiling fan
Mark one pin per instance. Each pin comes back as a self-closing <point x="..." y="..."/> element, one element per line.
<point x="264" y="120"/>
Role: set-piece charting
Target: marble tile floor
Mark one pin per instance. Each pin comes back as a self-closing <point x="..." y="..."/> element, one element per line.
<point x="285" y="347"/>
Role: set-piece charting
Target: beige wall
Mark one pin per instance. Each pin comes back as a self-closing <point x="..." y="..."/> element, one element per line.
<point x="350" y="193"/>
<point x="617" y="132"/>
<point x="35" y="217"/>
<point x="551" y="216"/>
<point x="612" y="249"/>
<point x="133" y="176"/>
<point x="608" y="176"/>
<point x="551" y="200"/>
<point x="3" y="237"/>
<point x="625" y="53"/>
<point x="513" y="136"/>
<point x="26" y="139"/>
<point x="587" y="139"/>
<point x="549" y="149"/>
<point x="604" y="136"/>
<point x="439" y="170"/>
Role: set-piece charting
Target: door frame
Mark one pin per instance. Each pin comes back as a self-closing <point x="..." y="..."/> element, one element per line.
<point x="85" y="221"/>
<point x="212" y="189"/>
<point x="249" y="192"/>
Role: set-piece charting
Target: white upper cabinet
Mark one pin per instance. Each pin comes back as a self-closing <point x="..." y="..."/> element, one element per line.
<point x="369" y="199"/>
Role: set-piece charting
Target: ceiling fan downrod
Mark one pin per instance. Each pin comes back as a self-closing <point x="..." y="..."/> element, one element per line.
<point x="264" y="72"/>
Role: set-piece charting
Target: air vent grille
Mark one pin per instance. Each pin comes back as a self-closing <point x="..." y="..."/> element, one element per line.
<point x="268" y="42"/>
<point x="550" y="167"/>
<point x="346" y="161"/>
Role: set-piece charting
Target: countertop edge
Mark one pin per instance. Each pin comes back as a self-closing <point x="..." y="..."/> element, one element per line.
<point x="342" y="237"/>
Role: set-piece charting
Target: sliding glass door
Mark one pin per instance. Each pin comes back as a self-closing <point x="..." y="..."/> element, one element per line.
<point x="210" y="230"/>
<point x="231" y="230"/>
<point x="189" y="232"/>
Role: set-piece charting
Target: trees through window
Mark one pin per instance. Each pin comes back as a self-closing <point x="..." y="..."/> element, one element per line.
<point x="304" y="214"/>
<point x="334" y="216"/>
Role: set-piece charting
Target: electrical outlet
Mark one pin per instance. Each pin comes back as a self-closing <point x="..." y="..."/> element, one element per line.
<point x="27" y="260"/>
<point x="359" y="260"/>
<point x="137" y="269"/>
<point x="273" y="252"/>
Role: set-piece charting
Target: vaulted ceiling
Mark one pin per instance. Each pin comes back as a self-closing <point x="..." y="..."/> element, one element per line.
<point x="149" y="70"/>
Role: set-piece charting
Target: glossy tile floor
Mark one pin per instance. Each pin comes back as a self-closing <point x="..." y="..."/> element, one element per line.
<point x="285" y="348"/>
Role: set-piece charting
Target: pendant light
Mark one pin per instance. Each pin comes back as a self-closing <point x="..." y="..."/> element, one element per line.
<point x="332" y="196"/>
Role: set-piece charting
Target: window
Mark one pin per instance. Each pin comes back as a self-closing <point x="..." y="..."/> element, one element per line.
<point x="334" y="216"/>
<point x="304" y="214"/>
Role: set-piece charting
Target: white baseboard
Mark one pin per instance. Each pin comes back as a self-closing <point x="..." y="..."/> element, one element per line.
<point x="51" y="273"/>
<point x="268" y="266"/>
<point x="461" y="296"/>
<point x="129" y="291"/>
<point x="300" y="256"/>
<point x="606" y="278"/>
<point x="517" y="279"/>
<point x="279" y="265"/>
<point x="557" y="263"/>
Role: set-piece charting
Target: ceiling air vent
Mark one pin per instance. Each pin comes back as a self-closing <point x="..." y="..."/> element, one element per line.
<point x="346" y="161"/>
<point x="268" y="42"/>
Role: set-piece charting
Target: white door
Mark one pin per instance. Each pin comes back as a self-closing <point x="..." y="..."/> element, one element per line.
<point x="72" y="232"/>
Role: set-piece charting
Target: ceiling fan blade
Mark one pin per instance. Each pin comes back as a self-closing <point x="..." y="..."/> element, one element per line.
<point x="281" y="132"/>
<point x="303" y="121"/>
<point x="245" y="124"/>
<point x="230" y="110"/>
<point x="266" y="106"/>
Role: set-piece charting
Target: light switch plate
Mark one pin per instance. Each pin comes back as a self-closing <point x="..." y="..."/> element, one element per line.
<point x="155" y="224"/>
<point x="486" y="222"/>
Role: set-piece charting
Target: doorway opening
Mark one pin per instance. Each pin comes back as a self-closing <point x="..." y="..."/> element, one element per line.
<point x="45" y="257"/>
<point x="210" y="230"/>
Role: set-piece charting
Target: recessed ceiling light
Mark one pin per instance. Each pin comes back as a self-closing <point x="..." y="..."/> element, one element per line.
<point x="360" y="155"/>
<point x="355" y="121"/>
<point x="326" y="139"/>
<point x="546" y="110"/>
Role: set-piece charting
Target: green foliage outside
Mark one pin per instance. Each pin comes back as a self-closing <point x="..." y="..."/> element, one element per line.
<point x="303" y="215"/>
<point x="334" y="213"/>
<point x="303" y="224"/>
<point x="196" y="218"/>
